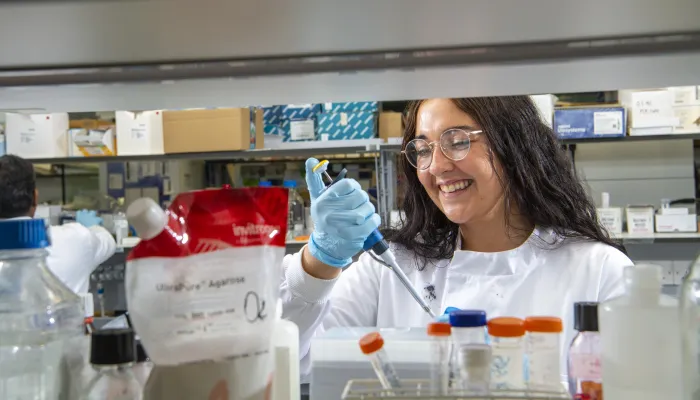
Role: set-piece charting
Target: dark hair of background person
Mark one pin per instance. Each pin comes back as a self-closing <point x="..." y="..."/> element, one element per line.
<point x="17" y="185"/>
<point x="538" y="178"/>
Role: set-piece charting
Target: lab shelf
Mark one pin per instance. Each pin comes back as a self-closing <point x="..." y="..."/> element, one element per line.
<point x="671" y="237"/>
<point x="293" y="151"/>
<point x="628" y="44"/>
<point x="300" y="150"/>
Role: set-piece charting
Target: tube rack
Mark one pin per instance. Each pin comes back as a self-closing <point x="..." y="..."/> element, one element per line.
<point x="419" y="389"/>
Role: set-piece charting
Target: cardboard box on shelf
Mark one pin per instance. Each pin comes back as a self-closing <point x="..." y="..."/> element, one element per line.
<point x="649" y="109"/>
<point x="344" y="126"/>
<point x="676" y="223"/>
<point x="685" y="95"/>
<point x="37" y="135"/>
<point x="139" y="132"/>
<point x="390" y="125"/>
<point x="688" y="119"/>
<point x="640" y="219"/>
<point x="91" y="142"/>
<point x="352" y="106"/>
<point x="589" y="122"/>
<point x="299" y="130"/>
<point x="545" y="105"/>
<point x="206" y="130"/>
<point x="300" y="111"/>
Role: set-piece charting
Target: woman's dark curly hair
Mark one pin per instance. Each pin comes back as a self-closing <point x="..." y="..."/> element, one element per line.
<point x="538" y="178"/>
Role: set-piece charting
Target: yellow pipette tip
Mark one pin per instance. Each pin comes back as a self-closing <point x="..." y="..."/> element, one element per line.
<point x="319" y="165"/>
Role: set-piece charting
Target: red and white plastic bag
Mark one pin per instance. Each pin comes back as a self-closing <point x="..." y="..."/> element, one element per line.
<point x="204" y="281"/>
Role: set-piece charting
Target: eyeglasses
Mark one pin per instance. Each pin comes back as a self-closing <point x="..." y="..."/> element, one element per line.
<point x="454" y="144"/>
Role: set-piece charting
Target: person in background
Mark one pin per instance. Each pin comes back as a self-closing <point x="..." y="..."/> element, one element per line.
<point x="495" y="219"/>
<point x="76" y="248"/>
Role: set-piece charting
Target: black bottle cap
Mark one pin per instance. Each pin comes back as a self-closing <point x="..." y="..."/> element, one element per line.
<point x="586" y="317"/>
<point x="141" y="354"/>
<point x="112" y="346"/>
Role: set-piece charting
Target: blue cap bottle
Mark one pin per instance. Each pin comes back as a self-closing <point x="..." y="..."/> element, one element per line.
<point x="23" y="234"/>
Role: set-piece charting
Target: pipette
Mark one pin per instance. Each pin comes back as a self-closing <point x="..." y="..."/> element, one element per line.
<point x="376" y="243"/>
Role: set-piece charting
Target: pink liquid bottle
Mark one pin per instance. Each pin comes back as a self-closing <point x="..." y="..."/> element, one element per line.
<point x="585" y="377"/>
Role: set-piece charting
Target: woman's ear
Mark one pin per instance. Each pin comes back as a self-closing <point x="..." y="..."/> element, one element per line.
<point x="35" y="202"/>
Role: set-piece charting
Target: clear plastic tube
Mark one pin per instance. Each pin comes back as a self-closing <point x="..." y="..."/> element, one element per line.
<point x="441" y="356"/>
<point x="543" y="347"/>
<point x="474" y="362"/>
<point x="372" y="345"/>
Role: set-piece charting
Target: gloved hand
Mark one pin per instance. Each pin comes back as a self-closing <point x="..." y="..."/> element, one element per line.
<point x="343" y="218"/>
<point x="88" y="218"/>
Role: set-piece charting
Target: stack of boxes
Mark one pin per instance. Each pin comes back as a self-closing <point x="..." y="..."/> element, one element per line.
<point x="330" y="121"/>
<point x="663" y="111"/>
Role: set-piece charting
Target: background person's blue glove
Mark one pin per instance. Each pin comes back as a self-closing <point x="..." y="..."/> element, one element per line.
<point x="343" y="218"/>
<point x="87" y="218"/>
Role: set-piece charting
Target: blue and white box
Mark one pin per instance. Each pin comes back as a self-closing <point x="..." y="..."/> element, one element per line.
<point x="345" y="126"/>
<point x="300" y="111"/>
<point x="590" y="122"/>
<point x="299" y="130"/>
<point x="352" y="106"/>
<point x="273" y="129"/>
<point x="272" y="115"/>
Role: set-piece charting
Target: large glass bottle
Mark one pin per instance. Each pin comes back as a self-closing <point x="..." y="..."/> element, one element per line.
<point x="41" y="317"/>
<point x="690" y="331"/>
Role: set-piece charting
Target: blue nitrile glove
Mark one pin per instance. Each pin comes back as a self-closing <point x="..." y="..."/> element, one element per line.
<point x="343" y="218"/>
<point x="87" y="218"/>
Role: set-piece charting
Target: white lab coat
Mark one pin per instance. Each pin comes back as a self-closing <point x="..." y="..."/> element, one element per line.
<point x="533" y="279"/>
<point x="76" y="251"/>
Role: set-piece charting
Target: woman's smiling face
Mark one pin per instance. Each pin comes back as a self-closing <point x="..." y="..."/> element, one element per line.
<point x="466" y="190"/>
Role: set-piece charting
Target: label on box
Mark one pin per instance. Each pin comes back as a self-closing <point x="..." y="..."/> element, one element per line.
<point x="652" y="109"/>
<point x="607" y="123"/>
<point x="138" y="132"/>
<point x="688" y="119"/>
<point x="302" y="130"/>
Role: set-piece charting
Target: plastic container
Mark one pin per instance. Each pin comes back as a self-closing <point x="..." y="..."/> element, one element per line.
<point x="295" y="226"/>
<point x="585" y="376"/>
<point x="468" y="327"/>
<point x="640" y="340"/>
<point x="441" y="357"/>
<point x="542" y="346"/>
<point x="474" y="363"/>
<point x="112" y="355"/>
<point x="508" y="350"/>
<point x="41" y="321"/>
<point x="372" y="345"/>
<point x="285" y="339"/>
<point x="690" y="325"/>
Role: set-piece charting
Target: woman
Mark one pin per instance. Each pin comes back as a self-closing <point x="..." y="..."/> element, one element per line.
<point x="495" y="220"/>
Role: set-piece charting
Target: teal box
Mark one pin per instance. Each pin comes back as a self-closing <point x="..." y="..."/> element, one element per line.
<point x="352" y="106"/>
<point x="346" y="126"/>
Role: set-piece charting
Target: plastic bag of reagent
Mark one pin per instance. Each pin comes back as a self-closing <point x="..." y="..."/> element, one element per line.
<point x="201" y="290"/>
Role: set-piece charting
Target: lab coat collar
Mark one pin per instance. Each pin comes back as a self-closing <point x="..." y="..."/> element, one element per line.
<point x="509" y="262"/>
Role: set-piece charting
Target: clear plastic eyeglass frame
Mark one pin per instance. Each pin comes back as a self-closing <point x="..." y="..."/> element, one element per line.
<point x="453" y="143"/>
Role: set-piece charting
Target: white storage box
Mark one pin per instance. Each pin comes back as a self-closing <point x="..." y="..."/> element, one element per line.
<point x="640" y="220"/>
<point x="91" y="142"/>
<point x="37" y="135"/>
<point x="545" y="105"/>
<point x="649" y="109"/>
<point x="688" y="119"/>
<point x="676" y="223"/>
<point x="139" y="133"/>
<point x="336" y="357"/>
